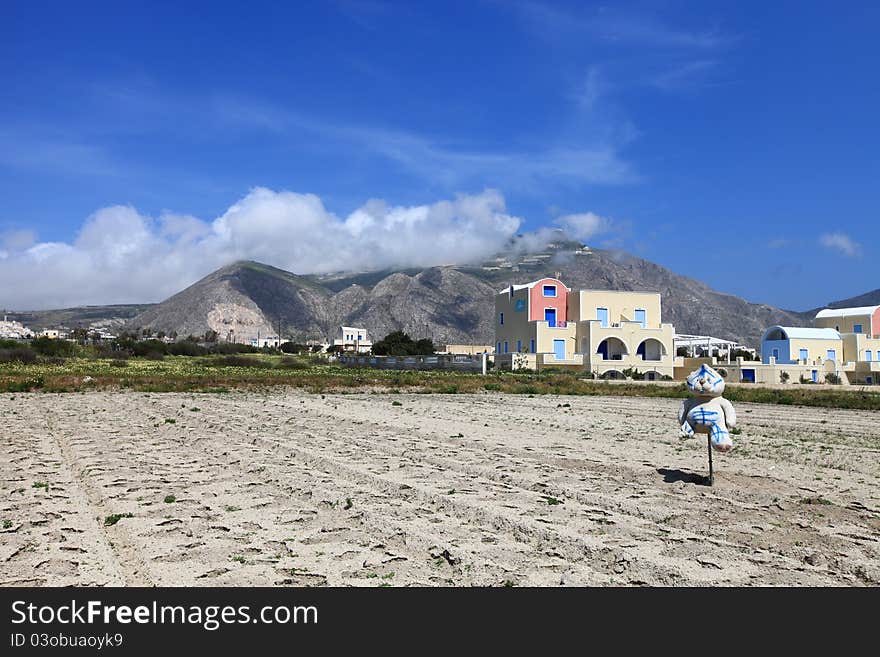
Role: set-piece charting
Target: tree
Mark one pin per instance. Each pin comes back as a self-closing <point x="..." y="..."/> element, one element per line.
<point x="423" y="347"/>
<point x="211" y="336"/>
<point x="398" y="343"/>
<point x="79" y="334"/>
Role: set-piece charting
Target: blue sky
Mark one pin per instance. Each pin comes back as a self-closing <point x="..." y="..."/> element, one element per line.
<point x="743" y="133"/>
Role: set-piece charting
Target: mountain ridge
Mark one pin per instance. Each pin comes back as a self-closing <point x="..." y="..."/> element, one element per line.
<point x="448" y="303"/>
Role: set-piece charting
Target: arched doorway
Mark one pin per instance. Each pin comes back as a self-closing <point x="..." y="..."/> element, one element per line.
<point x="612" y="349"/>
<point x="651" y="349"/>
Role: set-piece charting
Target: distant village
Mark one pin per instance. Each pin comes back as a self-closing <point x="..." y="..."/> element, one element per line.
<point x="603" y="334"/>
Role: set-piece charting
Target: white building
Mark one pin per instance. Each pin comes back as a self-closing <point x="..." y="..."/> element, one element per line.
<point x="270" y="341"/>
<point x="353" y="339"/>
<point x="14" y="330"/>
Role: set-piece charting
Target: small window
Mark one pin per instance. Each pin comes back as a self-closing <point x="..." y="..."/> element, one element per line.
<point x="549" y="290"/>
<point x="518" y="346"/>
<point x="831" y="354"/>
<point x="868" y="355"/>
<point x="857" y="328"/>
<point x="532" y="346"/>
<point x="501" y="318"/>
<point x="498" y="348"/>
<point x="804" y="354"/>
<point x="505" y="346"/>
<point x="776" y="354"/>
<point x="602" y="316"/>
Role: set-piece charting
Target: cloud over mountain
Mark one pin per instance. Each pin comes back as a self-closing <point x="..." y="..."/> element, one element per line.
<point x="123" y="256"/>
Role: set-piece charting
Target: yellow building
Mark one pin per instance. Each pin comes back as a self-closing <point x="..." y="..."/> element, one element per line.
<point x="864" y="320"/>
<point x="619" y="330"/>
<point x="603" y="331"/>
<point x="468" y="349"/>
<point x="843" y="342"/>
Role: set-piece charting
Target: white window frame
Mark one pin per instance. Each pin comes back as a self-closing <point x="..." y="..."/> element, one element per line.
<point x="544" y="289"/>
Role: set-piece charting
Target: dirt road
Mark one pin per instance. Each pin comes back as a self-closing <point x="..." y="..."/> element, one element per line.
<point x="289" y="488"/>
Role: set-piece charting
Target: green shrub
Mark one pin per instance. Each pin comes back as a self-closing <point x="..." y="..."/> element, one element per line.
<point x="234" y="348"/>
<point x="150" y="349"/>
<point x="293" y="364"/>
<point x="49" y="347"/>
<point x="186" y="348"/>
<point x="113" y="518"/>
<point x="22" y="386"/>
<point x="17" y="354"/>
<point x="239" y="361"/>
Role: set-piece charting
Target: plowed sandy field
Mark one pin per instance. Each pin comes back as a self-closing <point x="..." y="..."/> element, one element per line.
<point x="290" y="488"/>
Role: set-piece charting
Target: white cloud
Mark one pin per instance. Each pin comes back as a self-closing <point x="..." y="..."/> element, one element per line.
<point x="583" y="226"/>
<point x="123" y="256"/>
<point x="841" y="243"/>
<point x="17" y="239"/>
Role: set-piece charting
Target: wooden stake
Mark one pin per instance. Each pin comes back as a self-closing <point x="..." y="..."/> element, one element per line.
<point x="711" y="472"/>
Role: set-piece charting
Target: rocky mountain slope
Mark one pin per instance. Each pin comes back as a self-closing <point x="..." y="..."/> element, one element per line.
<point x="867" y="299"/>
<point x="450" y="304"/>
<point x="109" y="317"/>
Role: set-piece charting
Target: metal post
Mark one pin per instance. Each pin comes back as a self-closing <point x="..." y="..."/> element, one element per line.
<point x="711" y="471"/>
